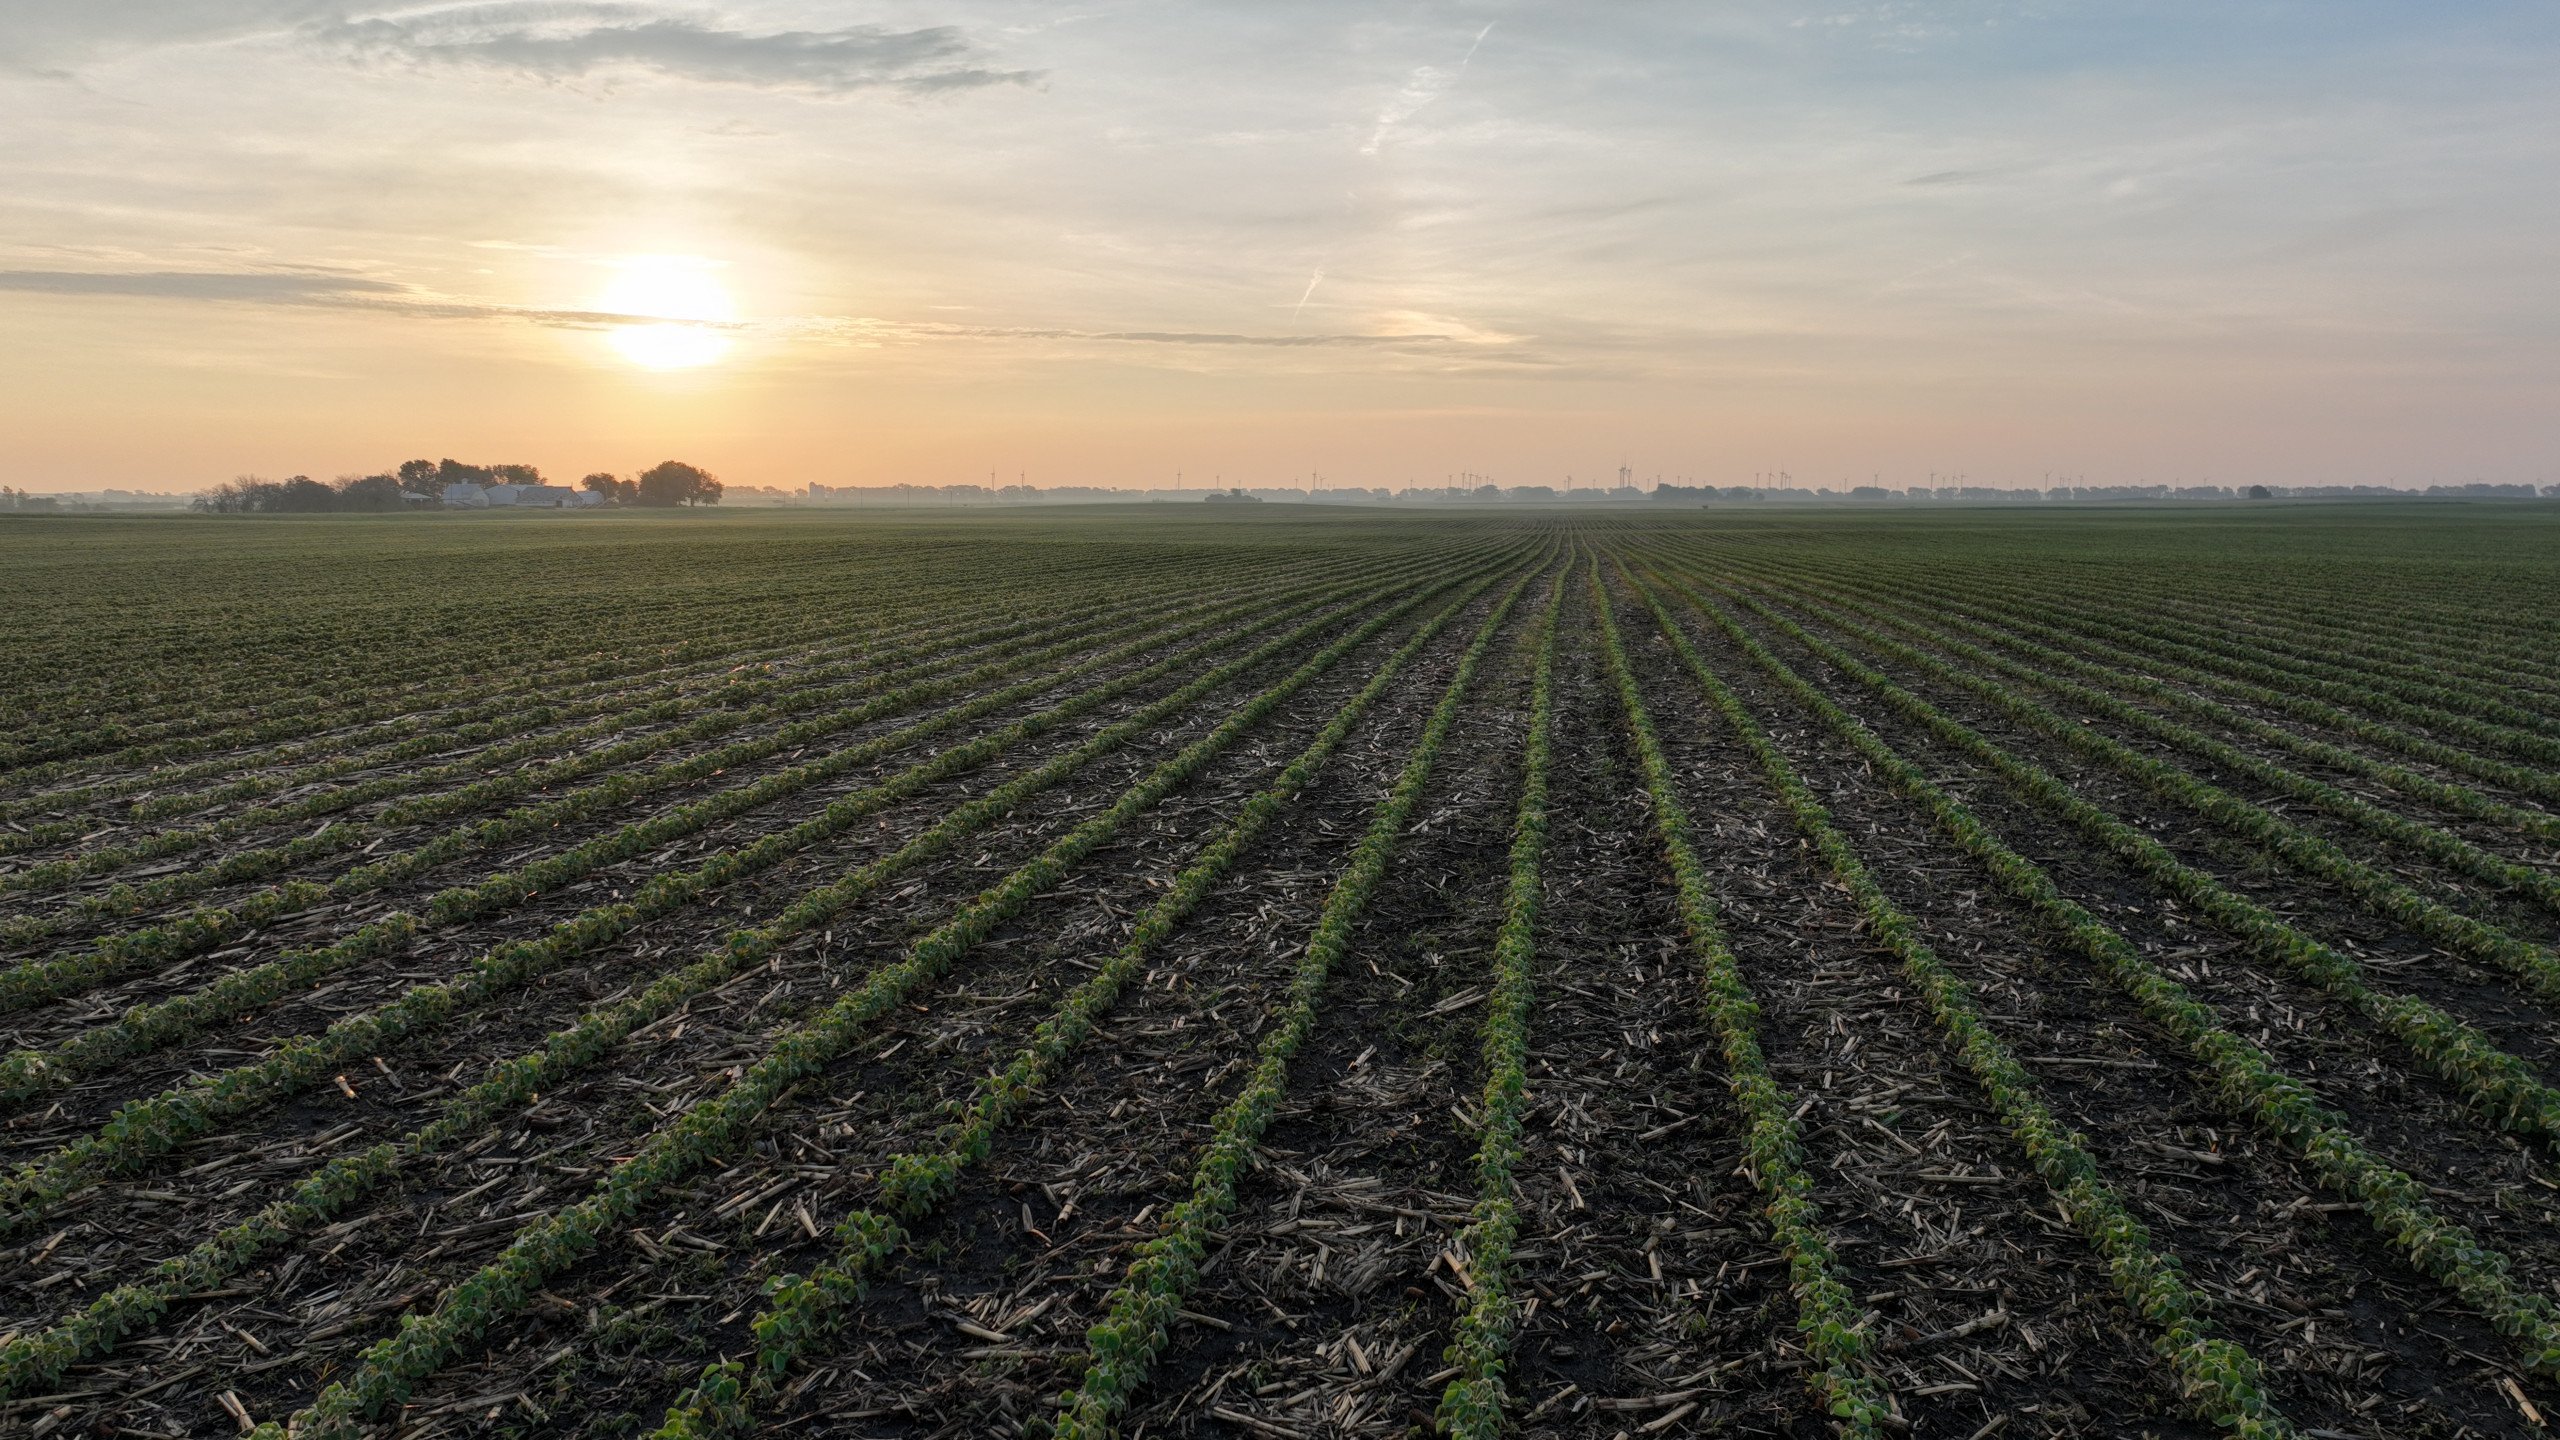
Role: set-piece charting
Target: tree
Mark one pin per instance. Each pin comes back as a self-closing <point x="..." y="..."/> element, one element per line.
<point x="673" y="482"/>
<point x="613" y="491"/>
<point x="369" y="492"/>
<point x="419" y="477"/>
<point x="2261" y="492"/>
<point x="450" y="471"/>
<point x="514" y="474"/>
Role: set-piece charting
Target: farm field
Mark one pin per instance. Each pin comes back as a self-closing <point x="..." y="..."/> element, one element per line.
<point x="1299" y="973"/>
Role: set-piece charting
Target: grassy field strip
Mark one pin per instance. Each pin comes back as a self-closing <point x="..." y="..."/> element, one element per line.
<point x="2371" y="887"/>
<point x="2242" y="1076"/>
<point x="392" y="709"/>
<point x="1829" y="1320"/>
<point x="2526" y="688"/>
<point x="424" y="1344"/>
<point x="471" y="726"/>
<point x="160" y="1122"/>
<point x="112" y="957"/>
<point x="2479" y="723"/>
<point x="155" y="1024"/>
<point x="2481" y="631"/>
<point x="39" y="1358"/>
<point x="2445" y="849"/>
<point x="2008" y="623"/>
<point x="2326" y="647"/>
<point x="925" y="660"/>
<point x="1122" y="1347"/>
<point x="816" y="665"/>
<point x="1471" y="1408"/>
<point x="463" y="718"/>
<point x="324" y="704"/>
<point x="2220" y="1380"/>
<point x="2238" y="625"/>
<point x="802" y="1311"/>
<point x="2503" y="1086"/>
<point x="2461" y="800"/>
<point x="730" y="712"/>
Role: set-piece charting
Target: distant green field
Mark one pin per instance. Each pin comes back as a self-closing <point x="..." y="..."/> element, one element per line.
<point x="1283" y="971"/>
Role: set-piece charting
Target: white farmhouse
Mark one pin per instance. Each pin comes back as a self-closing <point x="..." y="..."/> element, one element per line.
<point x="500" y="495"/>
<point x="463" y="495"/>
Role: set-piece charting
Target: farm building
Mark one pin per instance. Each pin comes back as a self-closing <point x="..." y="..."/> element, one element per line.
<point x="463" y="495"/>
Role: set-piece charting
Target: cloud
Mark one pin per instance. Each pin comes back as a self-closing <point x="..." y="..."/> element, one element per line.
<point x="577" y="41"/>
<point x="867" y="329"/>
<point x="304" y="289"/>
<point x="1426" y="84"/>
<point x="339" y="290"/>
<point x="273" y="287"/>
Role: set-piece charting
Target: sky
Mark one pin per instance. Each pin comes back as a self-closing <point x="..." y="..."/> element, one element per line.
<point x="1379" y="243"/>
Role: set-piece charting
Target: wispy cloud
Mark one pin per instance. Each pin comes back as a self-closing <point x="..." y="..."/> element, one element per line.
<point x="332" y="289"/>
<point x="580" y="41"/>
<point x="296" y="288"/>
<point x="1426" y="84"/>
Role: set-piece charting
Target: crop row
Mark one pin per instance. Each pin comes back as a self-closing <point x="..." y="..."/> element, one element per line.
<point x="38" y="1357"/>
<point x="2100" y="679"/>
<point x="1479" y="1349"/>
<point x="157" y="1124"/>
<point x="2223" y="1382"/>
<point x="1138" y="1317"/>
<point x="2093" y="644"/>
<point x="733" y="708"/>
<point x="2242" y="1076"/>
<point x="389" y="1370"/>
<point x="1829" y="1319"/>
<point x="154" y="1024"/>
<point x="803" y="1310"/>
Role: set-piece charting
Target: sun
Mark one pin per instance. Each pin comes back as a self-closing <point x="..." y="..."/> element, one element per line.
<point x="688" y="311"/>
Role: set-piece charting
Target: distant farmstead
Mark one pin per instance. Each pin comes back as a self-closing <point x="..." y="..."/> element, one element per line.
<point x="464" y="495"/>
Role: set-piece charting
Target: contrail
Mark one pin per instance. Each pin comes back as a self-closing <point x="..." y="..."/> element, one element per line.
<point x="1472" y="49"/>
<point x="1312" y="282"/>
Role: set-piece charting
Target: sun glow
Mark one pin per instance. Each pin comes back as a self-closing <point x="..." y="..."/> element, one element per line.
<point x="687" y="311"/>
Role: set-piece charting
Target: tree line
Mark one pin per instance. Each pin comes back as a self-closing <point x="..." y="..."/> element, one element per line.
<point x="419" y="484"/>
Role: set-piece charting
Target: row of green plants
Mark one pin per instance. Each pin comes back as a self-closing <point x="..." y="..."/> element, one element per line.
<point x="2220" y="1380"/>
<point x="2155" y="608"/>
<point x="1138" y="1317"/>
<point x="1830" y="1323"/>
<point x="2242" y="1076"/>
<point x="2382" y="667"/>
<point x="2447" y="655"/>
<point x="2017" y="625"/>
<point x="152" y="1025"/>
<point x="156" y="1124"/>
<point x="2370" y="886"/>
<point x="2503" y="1086"/>
<point x="116" y="956"/>
<point x="2100" y="680"/>
<point x="40" y="1357"/>
<point x="389" y="1371"/>
<point x="459" y="722"/>
<point x="802" y="1311"/>
<point x="1471" y="1407"/>
<point x="2221" y="652"/>
<point x="738" y="707"/>
<point x="435" y="714"/>
<point x="732" y="706"/>
<point x="320" y="657"/>
<point x="264" y="715"/>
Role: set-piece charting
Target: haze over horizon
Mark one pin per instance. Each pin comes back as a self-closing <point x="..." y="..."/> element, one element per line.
<point x="893" y="242"/>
